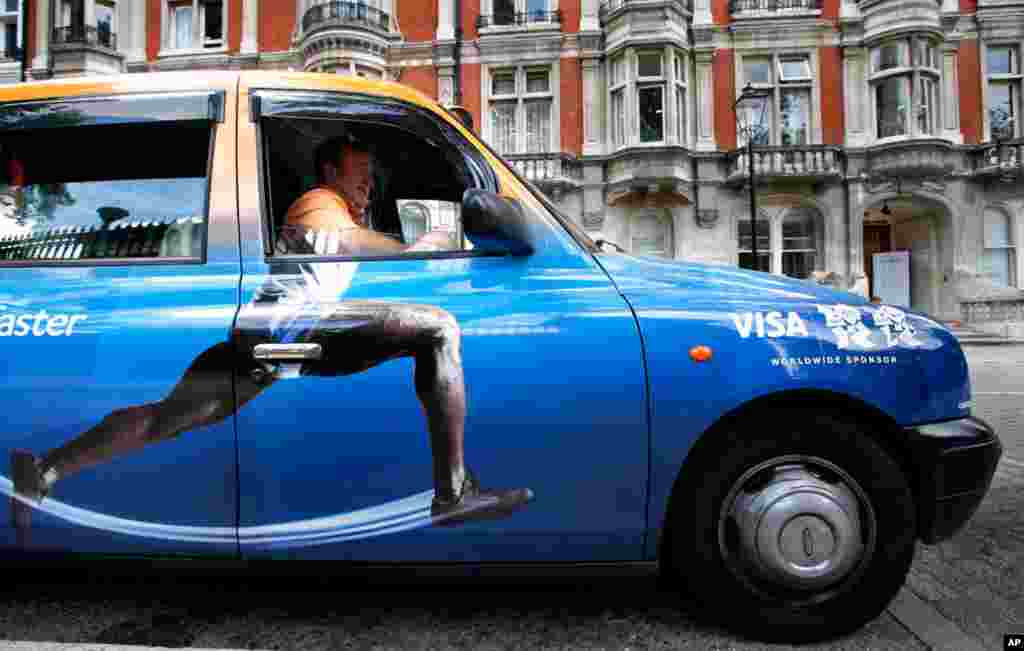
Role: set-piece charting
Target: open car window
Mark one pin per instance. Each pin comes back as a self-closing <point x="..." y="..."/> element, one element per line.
<point x="418" y="177"/>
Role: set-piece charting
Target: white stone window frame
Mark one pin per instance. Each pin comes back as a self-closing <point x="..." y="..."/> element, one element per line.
<point x="630" y="84"/>
<point x="618" y="82"/>
<point x="1015" y="227"/>
<point x="914" y="71"/>
<point x="168" y="29"/>
<point x="487" y="9"/>
<point x="1011" y="77"/>
<point x="521" y="97"/>
<point x="776" y="217"/>
<point x="679" y="81"/>
<point x="7" y="17"/>
<point x="777" y="85"/>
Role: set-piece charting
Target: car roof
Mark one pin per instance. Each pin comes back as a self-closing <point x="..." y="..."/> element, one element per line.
<point x="209" y="80"/>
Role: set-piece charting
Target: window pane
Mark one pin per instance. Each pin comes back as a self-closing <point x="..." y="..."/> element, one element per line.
<point x="793" y="69"/>
<point x="618" y="118"/>
<point x="503" y="83"/>
<point x="763" y="241"/>
<point x="504" y="12"/>
<point x="754" y="121"/>
<point x="798" y="264"/>
<point x="538" y="125"/>
<point x="651" y="101"/>
<point x="680" y="69"/>
<point x="104" y="22"/>
<point x="131" y="206"/>
<point x="11" y="5"/>
<point x="795" y="108"/>
<point x="1002" y="61"/>
<point x="1002" y="108"/>
<point x="997" y="229"/>
<point x="648" y="64"/>
<point x="537" y="81"/>
<point x="681" y="133"/>
<point x="891" y="105"/>
<point x="182" y="27"/>
<point x="890" y="55"/>
<point x="926" y="111"/>
<point x="503" y="127"/>
<point x="537" y="9"/>
<point x="996" y="266"/>
<point x="758" y="71"/>
<point x="213" y="28"/>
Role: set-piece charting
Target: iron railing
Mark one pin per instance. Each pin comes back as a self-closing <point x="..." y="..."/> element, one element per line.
<point x="739" y="6"/>
<point x="169" y="238"/>
<point x="85" y="34"/>
<point x="345" y="13"/>
<point x="608" y="6"/>
<point x="798" y="161"/>
<point x="519" y="18"/>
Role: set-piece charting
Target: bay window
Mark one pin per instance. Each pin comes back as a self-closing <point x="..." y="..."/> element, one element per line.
<point x="195" y="24"/>
<point x="787" y="107"/>
<point x="1004" y="79"/>
<point x="520" y="107"/>
<point x="905" y="87"/>
<point x="650" y="96"/>
<point x="647" y="97"/>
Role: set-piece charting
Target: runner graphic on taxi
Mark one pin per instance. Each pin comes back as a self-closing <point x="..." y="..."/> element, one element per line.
<point x="304" y="307"/>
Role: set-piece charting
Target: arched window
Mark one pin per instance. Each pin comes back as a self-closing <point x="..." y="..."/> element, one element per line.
<point x="651" y="234"/>
<point x="999" y="262"/>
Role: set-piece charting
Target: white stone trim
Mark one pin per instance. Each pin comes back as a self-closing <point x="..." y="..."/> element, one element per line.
<point x="41" y="61"/>
<point x="250" y="27"/>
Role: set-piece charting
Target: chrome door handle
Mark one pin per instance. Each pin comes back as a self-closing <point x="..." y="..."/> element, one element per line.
<point x="287" y="352"/>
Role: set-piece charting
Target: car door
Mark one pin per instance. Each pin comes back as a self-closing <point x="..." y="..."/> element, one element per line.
<point x="119" y="272"/>
<point x="340" y="466"/>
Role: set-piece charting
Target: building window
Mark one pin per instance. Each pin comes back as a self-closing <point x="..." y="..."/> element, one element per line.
<point x="1004" y="78"/>
<point x="763" y="243"/>
<point x="521" y="103"/>
<point x="106" y="22"/>
<point x="905" y="85"/>
<point x="650" y="92"/>
<point x="617" y="84"/>
<point x="518" y="12"/>
<point x="679" y="80"/>
<point x="799" y="243"/>
<point x="789" y="82"/>
<point x="195" y="24"/>
<point x="1000" y="257"/>
<point x="651" y="234"/>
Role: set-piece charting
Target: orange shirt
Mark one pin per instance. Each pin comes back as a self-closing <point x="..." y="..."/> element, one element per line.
<point x="320" y="208"/>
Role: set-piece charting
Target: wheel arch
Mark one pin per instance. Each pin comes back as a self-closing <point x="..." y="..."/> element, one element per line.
<point x="882" y="428"/>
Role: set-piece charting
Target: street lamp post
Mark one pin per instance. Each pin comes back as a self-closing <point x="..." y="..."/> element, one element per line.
<point x="750" y="108"/>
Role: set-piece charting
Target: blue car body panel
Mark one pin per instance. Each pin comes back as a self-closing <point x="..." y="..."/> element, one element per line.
<point x="679" y="306"/>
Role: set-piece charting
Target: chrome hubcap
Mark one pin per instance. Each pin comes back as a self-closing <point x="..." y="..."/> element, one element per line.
<point x="798" y="524"/>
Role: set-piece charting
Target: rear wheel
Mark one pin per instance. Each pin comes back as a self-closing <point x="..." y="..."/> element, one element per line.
<point x="795" y="527"/>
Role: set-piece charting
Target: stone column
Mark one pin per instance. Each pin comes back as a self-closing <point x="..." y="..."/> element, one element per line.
<point x="593" y="108"/>
<point x="704" y="95"/>
<point x="445" y="20"/>
<point x="137" y="28"/>
<point x="44" y="23"/>
<point x="855" y="230"/>
<point x="250" y="26"/>
<point x="949" y="99"/>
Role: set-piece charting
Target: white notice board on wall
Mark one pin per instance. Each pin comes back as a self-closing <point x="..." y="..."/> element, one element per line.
<point x="891" y="277"/>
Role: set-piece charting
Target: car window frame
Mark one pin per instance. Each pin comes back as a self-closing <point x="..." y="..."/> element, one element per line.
<point x="479" y="170"/>
<point x="193" y="106"/>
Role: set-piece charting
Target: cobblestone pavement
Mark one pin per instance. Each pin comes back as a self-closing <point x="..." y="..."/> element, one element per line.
<point x="977" y="578"/>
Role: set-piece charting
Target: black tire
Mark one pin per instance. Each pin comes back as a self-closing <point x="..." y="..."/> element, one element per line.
<point x="696" y="563"/>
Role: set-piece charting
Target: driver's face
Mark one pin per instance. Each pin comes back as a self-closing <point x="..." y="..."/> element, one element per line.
<point x="355" y="180"/>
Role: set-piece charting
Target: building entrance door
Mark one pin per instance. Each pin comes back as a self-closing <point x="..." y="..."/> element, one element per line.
<point x="877" y="239"/>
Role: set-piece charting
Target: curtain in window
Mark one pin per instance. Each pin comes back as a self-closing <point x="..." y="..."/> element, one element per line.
<point x="538" y="125"/>
<point x="182" y="27"/>
<point x="795" y="109"/>
<point x="999" y="259"/>
<point x="503" y="126"/>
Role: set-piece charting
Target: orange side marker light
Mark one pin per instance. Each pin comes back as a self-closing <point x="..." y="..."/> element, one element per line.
<point x="700" y="353"/>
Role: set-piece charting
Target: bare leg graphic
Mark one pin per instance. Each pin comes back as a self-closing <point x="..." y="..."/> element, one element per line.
<point x="205" y="396"/>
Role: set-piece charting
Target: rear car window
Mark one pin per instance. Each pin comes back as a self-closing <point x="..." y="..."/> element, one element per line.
<point x="104" y="192"/>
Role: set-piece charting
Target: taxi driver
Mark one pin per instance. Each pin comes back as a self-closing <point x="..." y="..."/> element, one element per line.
<point x="354" y="336"/>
